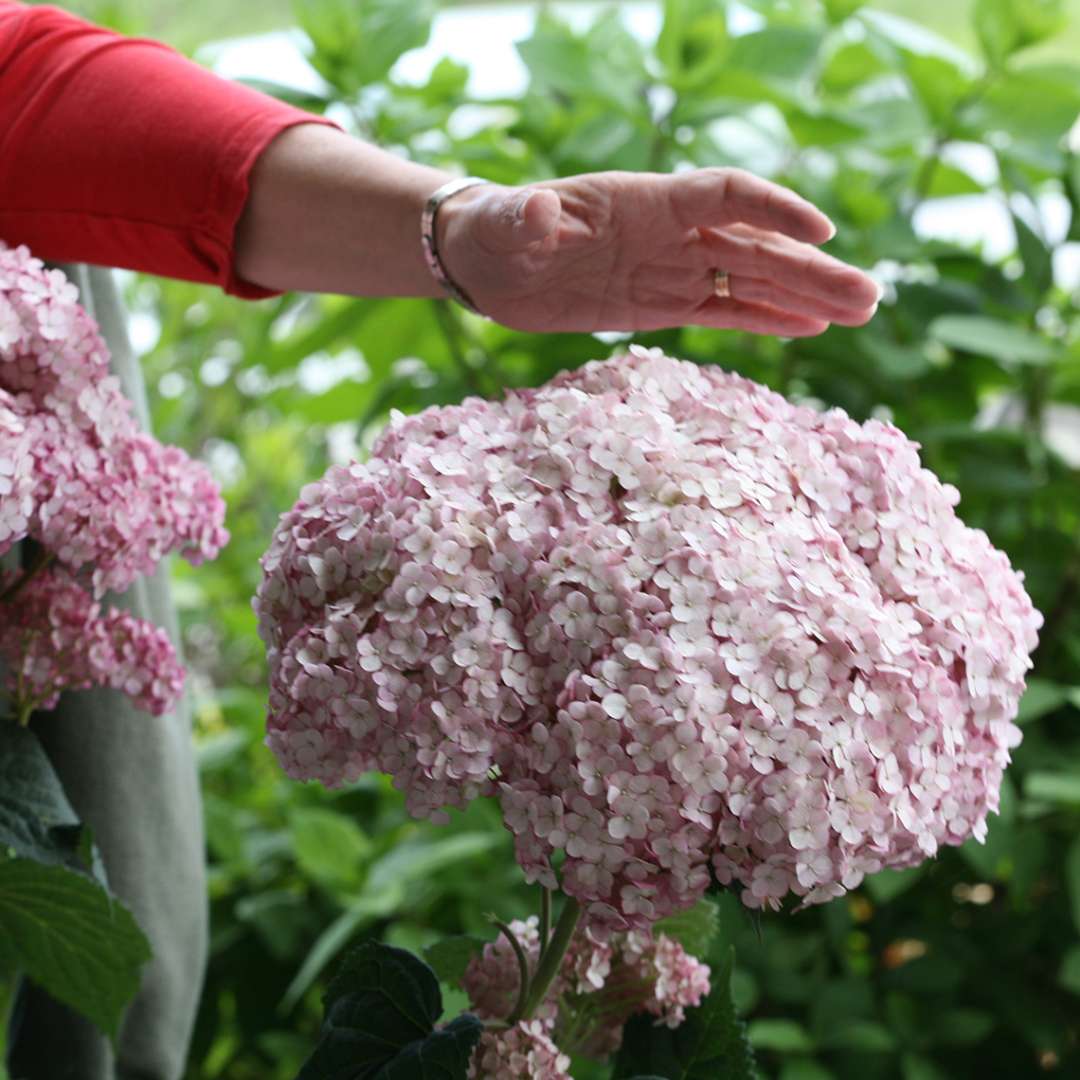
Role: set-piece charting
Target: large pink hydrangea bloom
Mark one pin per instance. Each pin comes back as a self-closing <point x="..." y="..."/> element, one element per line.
<point x="102" y="502"/>
<point x="670" y="619"/>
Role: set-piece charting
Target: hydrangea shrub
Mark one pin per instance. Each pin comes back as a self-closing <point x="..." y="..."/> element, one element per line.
<point x="679" y="626"/>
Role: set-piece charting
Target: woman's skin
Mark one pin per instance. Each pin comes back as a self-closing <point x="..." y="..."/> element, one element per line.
<point x="601" y="251"/>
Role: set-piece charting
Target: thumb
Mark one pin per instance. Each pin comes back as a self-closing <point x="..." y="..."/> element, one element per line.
<point x="522" y="218"/>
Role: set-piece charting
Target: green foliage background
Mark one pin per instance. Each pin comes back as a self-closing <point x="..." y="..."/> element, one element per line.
<point x="969" y="965"/>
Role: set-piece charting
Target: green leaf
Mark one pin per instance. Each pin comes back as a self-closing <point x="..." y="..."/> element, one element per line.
<point x="1006" y="26"/>
<point x="839" y="10"/>
<point x="1053" y="787"/>
<point x="785" y="1036"/>
<point x="357" y="42"/>
<point x="1069" y="972"/>
<point x="72" y="938"/>
<point x="1072" y="879"/>
<point x="329" y="846"/>
<point x="693" y="42"/>
<point x="886" y="885"/>
<point x="938" y="83"/>
<point x="450" y="957"/>
<point x="36" y="819"/>
<point x="381" y="1011"/>
<point x="984" y="336"/>
<point x="779" y="54"/>
<point x="1036" y="257"/>
<point x="695" y="928"/>
<point x="1041" y="697"/>
<point x="710" y="1043"/>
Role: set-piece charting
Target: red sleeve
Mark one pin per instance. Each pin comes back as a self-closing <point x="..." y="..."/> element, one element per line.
<point x="121" y="152"/>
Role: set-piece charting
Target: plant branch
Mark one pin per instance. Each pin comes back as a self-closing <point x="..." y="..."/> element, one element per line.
<point x="545" y="919"/>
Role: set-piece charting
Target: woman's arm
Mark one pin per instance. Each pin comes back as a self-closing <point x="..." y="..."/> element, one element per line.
<point x="121" y="152"/>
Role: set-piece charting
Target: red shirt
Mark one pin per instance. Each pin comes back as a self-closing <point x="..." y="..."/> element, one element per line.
<point x="121" y="152"/>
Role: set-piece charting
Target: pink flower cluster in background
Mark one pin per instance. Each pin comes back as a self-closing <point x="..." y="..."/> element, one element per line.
<point x="599" y="987"/>
<point x="104" y="501"/>
<point x="55" y="637"/>
<point x="677" y="624"/>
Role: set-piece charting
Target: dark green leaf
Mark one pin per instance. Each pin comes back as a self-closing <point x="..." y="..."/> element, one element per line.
<point x="71" y="937"/>
<point x="36" y="819"/>
<point x="1041" y="697"/>
<point x="329" y="846"/>
<point x="381" y="1010"/>
<point x="710" y="1043"/>
<point x="1036" y="257"/>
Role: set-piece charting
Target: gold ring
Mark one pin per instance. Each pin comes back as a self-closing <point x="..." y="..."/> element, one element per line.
<point x="721" y="284"/>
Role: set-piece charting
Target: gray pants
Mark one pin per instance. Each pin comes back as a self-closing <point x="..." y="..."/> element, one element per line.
<point x="131" y="777"/>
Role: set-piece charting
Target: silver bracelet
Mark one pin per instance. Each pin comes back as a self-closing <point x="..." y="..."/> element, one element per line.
<point x="427" y="237"/>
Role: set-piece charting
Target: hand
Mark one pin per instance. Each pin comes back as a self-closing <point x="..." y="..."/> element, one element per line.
<point x="637" y="251"/>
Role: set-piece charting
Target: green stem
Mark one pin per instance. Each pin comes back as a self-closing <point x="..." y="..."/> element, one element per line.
<point x="545" y="919"/>
<point x="553" y="957"/>
<point x="523" y="971"/>
<point x="9" y="989"/>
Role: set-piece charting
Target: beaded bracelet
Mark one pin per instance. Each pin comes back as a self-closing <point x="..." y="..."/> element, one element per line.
<point x="427" y="236"/>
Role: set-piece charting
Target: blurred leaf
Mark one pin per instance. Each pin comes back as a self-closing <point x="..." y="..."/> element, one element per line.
<point x="450" y="957"/>
<point x="1069" y="973"/>
<point x="1041" y="697"/>
<point x="329" y="846"/>
<point x="1005" y="26"/>
<point x="64" y="931"/>
<point x="991" y="337"/>
<point x="381" y="1011"/>
<point x="1072" y="879"/>
<point x="778" y="54"/>
<point x="1053" y="787"/>
<point x="357" y="42"/>
<point x="785" y="1036"/>
<point x="1038" y="263"/>
<point x="938" y="84"/>
<point x="693" y="42"/>
<point x="886" y="885"/>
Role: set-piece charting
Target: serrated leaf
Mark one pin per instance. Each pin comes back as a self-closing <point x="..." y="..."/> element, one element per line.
<point x="71" y="937"/>
<point x="693" y="929"/>
<point x="711" y="1042"/>
<point x="450" y="957"/>
<point x="381" y="1010"/>
<point x="984" y="336"/>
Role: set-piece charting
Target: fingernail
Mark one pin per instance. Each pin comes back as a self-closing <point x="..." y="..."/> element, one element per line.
<point x="880" y="292"/>
<point x="832" y="231"/>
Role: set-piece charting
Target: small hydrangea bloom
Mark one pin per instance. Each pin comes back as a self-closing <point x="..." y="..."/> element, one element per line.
<point x="56" y="637"/>
<point x="523" y="1052"/>
<point x="100" y="499"/>
<point x="76" y="473"/>
<point x="680" y="626"/>
<point x="600" y="985"/>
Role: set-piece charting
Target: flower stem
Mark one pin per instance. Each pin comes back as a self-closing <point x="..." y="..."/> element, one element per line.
<point x="545" y="919"/>
<point x="523" y="971"/>
<point x="552" y="959"/>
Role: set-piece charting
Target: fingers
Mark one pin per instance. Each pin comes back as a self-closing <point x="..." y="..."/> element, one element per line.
<point x="761" y="291"/>
<point x="796" y="267"/>
<point x="732" y="314"/>
<point x="718" y="196"/>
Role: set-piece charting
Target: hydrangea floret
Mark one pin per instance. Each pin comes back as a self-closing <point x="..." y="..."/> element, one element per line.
<point x="97" y="501"/>
<point x="681" y="627"/>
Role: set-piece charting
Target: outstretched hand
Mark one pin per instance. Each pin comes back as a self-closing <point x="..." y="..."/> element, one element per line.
<point x="638" y="251"/>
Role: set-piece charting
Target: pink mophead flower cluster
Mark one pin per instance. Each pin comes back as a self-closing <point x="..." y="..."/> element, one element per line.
<point x="104" y="501"/>
<point x="599" y="987"/>
<point x="680" y="626"/>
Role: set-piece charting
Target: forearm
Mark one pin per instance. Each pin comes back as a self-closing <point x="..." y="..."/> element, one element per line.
<point x="330" y="213"/>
